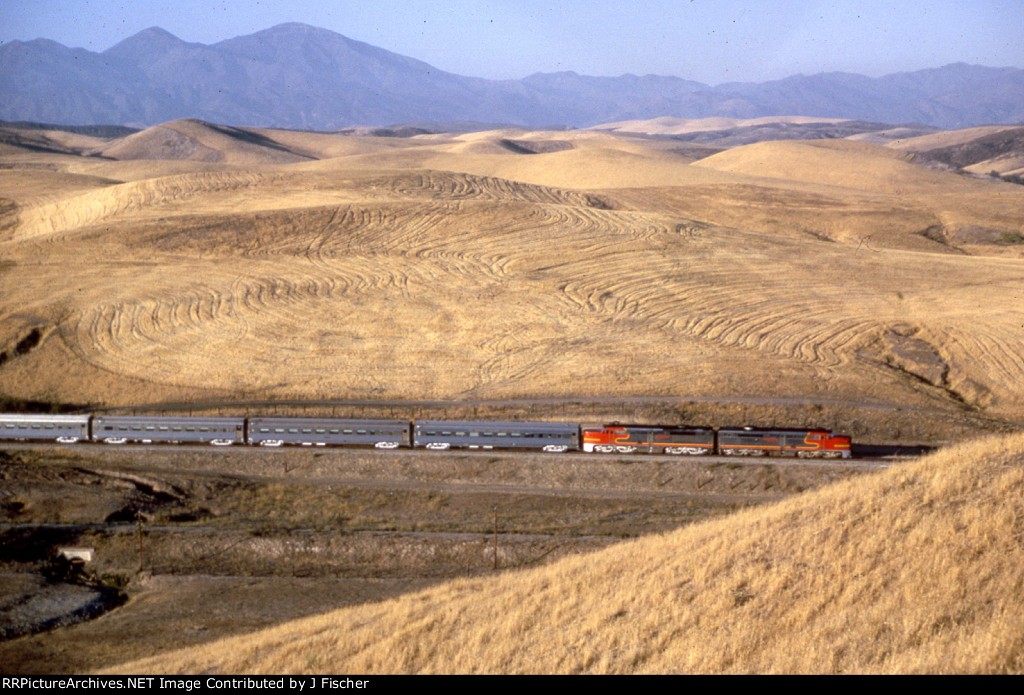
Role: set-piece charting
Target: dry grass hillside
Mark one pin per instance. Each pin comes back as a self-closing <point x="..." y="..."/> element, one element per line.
<point x="193" y="261"/>
<point x="198" y="141"/>
<point x="917" y="569"/>
<point x="982" y="150"/>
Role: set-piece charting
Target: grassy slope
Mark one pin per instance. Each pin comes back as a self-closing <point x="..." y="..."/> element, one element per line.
<point x="916" y="569"/>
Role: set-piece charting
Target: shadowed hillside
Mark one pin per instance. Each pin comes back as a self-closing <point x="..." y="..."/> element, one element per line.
<point x="201" y="142"/>
<point x="914" y="570"/>
<point x="985" y="150"/>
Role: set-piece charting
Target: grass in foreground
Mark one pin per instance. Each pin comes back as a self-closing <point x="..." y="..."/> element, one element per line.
<point x="917" y="569"/>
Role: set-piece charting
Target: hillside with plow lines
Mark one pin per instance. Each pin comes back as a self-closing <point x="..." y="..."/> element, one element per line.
<point x="571" y="276"/>
<point x="478" y="277"/>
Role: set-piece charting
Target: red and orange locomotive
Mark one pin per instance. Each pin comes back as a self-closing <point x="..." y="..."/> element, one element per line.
<point x="649" y="439"/>
<point x="729" y="441"/>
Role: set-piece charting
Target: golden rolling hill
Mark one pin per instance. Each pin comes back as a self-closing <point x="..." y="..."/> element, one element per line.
<point x="198" y="141"/>
<point x="917" y="569"/>
<point x="836" y="283"/>
<point x="195" y="261"/>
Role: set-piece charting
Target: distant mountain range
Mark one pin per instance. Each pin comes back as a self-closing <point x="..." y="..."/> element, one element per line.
<point x="298" y="76"/>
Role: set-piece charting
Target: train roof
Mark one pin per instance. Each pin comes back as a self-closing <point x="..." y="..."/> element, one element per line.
<point x="325" y="421"/>
<point x="780" y="430"/>
<point x="641" y="425"/>
<point x="551" y="426"/>
<point x="141" y="419"/>
<point x="17" y="417"/>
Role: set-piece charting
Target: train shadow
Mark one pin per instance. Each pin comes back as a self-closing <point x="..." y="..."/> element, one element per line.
<point x="878" y="451"/>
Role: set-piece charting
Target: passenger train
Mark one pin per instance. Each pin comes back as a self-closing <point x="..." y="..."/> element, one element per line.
<point x="426" y="434"/>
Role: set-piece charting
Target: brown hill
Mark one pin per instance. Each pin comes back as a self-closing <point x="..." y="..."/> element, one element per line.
<point x="14" y="141"/>
<point x="985" y="150"/>
<point x="198" y="141"/>
<point x="16" y="138"/>
<point x="897" y="203"/>
<point x="843" y="163"/>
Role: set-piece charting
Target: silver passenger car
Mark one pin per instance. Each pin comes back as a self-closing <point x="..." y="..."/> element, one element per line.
<point x="277" y="431"/>
<point x="545" y="436"/>
<point x="66" y="429"/>
<point x="121" y="429"/>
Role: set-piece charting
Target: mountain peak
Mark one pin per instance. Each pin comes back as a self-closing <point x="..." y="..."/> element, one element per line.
<point x="153" y="38"/>
<point x="286" y="31"/>
<point x="156" y="33"/>
<point x="297" y="27"/>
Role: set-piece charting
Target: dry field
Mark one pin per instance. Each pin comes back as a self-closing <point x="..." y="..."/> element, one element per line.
<point x="191" y="262"/>
<point x="581" y="275"/>
<point x="918" y="569"/>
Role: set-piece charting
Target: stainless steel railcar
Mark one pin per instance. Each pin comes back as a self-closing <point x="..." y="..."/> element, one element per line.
<point x="121" y="429"/>
<point x="452" y="434"/>
<point x="66" y="429"/>
<point x="279" y="431"/>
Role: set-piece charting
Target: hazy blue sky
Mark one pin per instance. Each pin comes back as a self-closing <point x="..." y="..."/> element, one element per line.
<point x="711" y="41"/>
